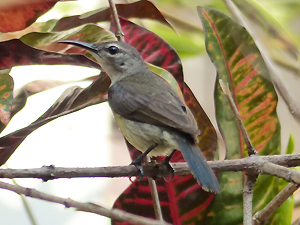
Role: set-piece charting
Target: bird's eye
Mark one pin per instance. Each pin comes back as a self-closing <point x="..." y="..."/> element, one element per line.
<point x="113" y="50"/>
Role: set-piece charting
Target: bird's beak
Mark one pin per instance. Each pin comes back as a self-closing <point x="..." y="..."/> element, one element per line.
<point x="87" y="46"/>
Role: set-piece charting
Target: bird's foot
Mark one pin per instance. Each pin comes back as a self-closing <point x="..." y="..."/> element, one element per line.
<point x="166" y="162"/>
<point x="138" y="164"/>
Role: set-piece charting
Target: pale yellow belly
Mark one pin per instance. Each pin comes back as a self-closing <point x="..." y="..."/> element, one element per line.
<point x="142" y="136"/>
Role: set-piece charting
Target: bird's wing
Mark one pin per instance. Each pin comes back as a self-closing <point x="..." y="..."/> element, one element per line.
<point x="161" y="107"/>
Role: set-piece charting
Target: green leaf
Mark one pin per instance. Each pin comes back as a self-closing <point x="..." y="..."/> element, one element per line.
<point x="275" y="37"/>
<point x="291" y="145"/>
<point x="6" y="98"/>
<point x="88" y="33"/>
<point x="187" y="44"/>
<point x="240" y="64"/>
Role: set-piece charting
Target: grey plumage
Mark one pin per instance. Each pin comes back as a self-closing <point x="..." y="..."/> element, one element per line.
<point x="148" y="110"/>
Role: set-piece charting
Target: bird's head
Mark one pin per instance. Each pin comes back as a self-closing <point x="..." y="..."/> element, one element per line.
<point x="118" y="59"/>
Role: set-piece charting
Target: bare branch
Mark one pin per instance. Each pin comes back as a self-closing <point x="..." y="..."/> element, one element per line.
<point x="297" y="202"/>
<point x="251" y="164"/>
<point x="263" y="216"/>
<point x="115" y="214"/>
<point x="155" y="197"/>
<point x="225" y="89"/>
<point x="296" y="222"/>
<point x="247" y="198"/>
<point x="119" y="33"/>
<point x="265" y="167"/>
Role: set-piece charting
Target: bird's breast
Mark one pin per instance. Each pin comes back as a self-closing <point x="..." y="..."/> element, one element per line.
<point x="143" y="135"/>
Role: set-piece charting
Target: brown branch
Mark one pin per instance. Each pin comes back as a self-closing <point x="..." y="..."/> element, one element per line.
<point x="115" y="214"/>
<point x="296" y="222"/>
<point x="119" y="33"/>
<point x="265" y="167"/>
<point x="155" y="197"/>
<point x="251" y="164"/>
<point x="247" y="198"/>
<point x="263" y="216"/>
<point x="225" y="89"/>
<point x="297" y="202"/>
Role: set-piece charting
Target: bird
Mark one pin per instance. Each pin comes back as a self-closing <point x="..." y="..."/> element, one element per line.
<point x="148" y="110"/>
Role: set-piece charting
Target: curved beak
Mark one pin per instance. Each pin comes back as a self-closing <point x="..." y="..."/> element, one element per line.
<point x="84" y="45"/>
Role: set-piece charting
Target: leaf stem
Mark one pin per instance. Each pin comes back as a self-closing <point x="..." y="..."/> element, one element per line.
<point x="225" y="89"/>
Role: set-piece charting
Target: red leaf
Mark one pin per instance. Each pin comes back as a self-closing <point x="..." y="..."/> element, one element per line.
<point x="16" y="53"/>
<point x="16" y="17"/>
<point x="139" y="9"/>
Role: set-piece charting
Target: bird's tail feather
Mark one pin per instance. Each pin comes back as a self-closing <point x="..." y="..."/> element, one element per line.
<point x="198" y="165"/>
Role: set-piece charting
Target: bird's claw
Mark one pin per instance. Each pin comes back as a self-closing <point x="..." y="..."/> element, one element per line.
<point x="139" y="166"/>
<point x="166" y="162"/>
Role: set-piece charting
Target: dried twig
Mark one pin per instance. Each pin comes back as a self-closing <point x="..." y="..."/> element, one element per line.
<point x="249" y="178"/>
<point x="253" y="164"/>
<point x="115" y="214"/>
<point x="119" y="33"/>
<point x="297" y="202"/>
<point x="155" y="197"/>
<point x="247" y="198"/>
<point x="225" y="89"/>
<point x="263" y="216"/>
<point x="296" y="222"/>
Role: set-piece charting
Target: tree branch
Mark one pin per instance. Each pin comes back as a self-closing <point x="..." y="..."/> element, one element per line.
<point x="251" y="164"/>
<point x="155" y="197"/>
<point x="263" y="216"/>
<point x="247" y="198"/>
<point x="119" y="33"/>
<point x="297" y="202"/>
<point x="115" y="214"/>
<point x="225" y="89"/>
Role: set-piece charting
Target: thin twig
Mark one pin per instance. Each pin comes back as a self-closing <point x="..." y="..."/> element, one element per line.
<point x="225" y="89"/>
<point x="247" y="198"/>
<point x="182" y="23"/>
<point x="296" y="222"/>
<point x="277" y="78"/>
<point x="155" y="197"/>
<point x="263" y="216"/>
<point x="77" y="108"/>
<point x="297" y="202"/>
<point x="119" y="33"/>
<point x="115" y="214"/>
<point x="25" y="203"/>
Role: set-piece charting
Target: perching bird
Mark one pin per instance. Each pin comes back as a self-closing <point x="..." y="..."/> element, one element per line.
<point x="149" y="112"/>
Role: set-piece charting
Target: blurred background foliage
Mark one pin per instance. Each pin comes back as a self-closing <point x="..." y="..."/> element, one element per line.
<point x="276" y="23"/>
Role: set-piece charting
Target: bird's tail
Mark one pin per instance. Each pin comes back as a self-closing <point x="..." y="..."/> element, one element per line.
<point x="198" y="165"/>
